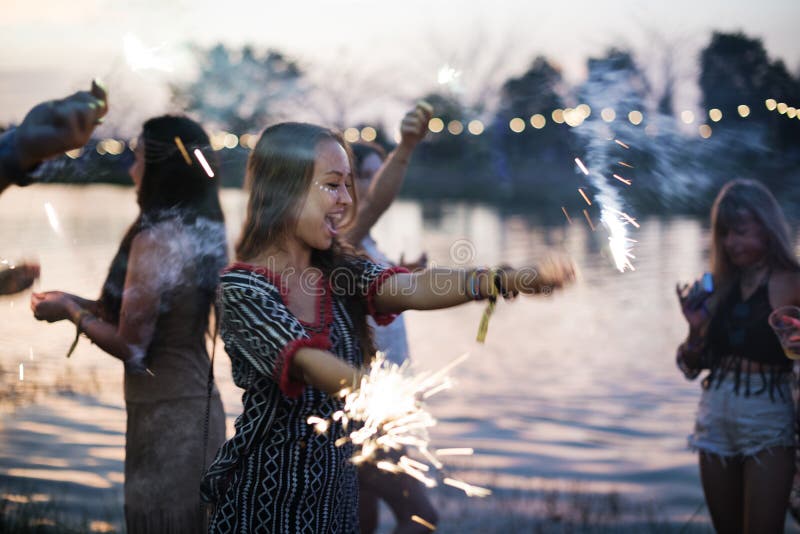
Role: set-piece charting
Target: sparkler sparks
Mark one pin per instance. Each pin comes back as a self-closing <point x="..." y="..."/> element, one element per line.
<point x="625" y="164"/>
<point x="52" y="217"/>
<point x="582" y="167"/>
<point x="203" y="163"/>
<point x="589" y="220"/>
<point x="139" y="57"/>
<point x="566" y="214"/>
<point x="417" y="519"/>
<point x="619" y="243"/>
<point x="21" y="372"/>
<point x="584" y="196"/>
<point x="620" y="143"/>
<point x="389" y="415"/>
<point x="621" y="179"/>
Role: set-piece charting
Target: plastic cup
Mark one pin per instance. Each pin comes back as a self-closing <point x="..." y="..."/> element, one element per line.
<point x="785" y="322"/>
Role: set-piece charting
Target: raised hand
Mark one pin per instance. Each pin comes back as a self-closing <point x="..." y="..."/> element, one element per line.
<point x="57" y="126"/>
<point x="414" y="125"/>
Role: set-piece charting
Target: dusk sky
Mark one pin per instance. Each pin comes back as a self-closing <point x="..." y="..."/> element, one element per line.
<point x="51" y="47"/>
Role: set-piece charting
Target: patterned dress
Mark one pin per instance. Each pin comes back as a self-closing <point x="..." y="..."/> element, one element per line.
<point x="277" y="474"/>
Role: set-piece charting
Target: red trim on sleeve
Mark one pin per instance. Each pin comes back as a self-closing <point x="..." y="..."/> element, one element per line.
<point x="294" y="388"/>
<point x="382" y="319"/>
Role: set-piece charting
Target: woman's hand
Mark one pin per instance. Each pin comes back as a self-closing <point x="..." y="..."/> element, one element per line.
<point x="554" y="272"/>
<point x="52" y="306"/>
<point x="20" y="277"/>
<point x="696" y="316"/>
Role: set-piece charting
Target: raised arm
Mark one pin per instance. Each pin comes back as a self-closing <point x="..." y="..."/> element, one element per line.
<point x="443" y="287"/>
<point x="389" y="179"/>
<point x="48" y="130"/>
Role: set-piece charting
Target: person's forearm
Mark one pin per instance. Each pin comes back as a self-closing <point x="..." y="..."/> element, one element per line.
<point x="431" y="289"/>
<point x="323" y="370"/>
<point x="384" y="189"/>
<point x="93" y="306"/>
<point x="104" y="335"/>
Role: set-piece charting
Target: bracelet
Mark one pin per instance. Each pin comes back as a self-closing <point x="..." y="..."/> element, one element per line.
<point x="476" y="282"/>
<point x="78" y="319"/>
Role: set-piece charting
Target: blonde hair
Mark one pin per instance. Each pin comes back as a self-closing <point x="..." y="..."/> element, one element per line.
<point x="747" y="196"/>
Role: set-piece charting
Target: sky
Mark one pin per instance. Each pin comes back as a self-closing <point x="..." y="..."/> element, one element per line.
<point x="49" y="48"/>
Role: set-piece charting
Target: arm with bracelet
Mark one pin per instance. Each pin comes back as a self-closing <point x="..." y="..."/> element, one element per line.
<point x="128" y="340"/>
<point x="440" y="287"/>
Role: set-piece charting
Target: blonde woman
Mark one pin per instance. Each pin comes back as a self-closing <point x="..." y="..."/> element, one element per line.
<point x="744" y="429"/>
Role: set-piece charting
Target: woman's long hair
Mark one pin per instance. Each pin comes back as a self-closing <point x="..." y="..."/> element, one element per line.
<point x="170" y="189"/>
<point x="279" y="174"/>
<point x="740" y="197"/>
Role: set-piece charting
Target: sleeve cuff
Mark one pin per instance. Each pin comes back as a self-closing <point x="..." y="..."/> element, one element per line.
<point x="10" y="168"/>
<point x="290" y="387"/>
<point x="382" y="319"/>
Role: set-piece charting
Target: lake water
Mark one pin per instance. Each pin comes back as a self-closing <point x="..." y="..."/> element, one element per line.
<point x="576" y="391"/>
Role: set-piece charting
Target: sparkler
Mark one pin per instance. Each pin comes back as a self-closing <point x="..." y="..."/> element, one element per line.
<point x="388" y="412"/>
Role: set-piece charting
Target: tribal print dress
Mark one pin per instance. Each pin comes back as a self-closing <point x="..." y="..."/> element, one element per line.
<point x="277" y="474"/>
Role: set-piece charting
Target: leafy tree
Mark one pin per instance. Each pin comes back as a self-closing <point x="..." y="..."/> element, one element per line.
<point x="241" y="91"/>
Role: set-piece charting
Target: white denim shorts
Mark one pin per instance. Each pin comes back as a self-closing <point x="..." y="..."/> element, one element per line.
<point x="733" y="424"/>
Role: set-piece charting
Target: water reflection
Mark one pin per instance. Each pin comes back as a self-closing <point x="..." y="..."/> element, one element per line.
<point x="580" y="386"/>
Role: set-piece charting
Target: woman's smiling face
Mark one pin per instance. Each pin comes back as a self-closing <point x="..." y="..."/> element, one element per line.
<point x="329" y="198"/>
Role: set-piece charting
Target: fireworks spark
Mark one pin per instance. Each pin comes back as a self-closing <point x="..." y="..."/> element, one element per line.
<point x="52" y="217"/>
<point x="417" y="519"/>
<point x="140" y="57"/>
<point x="621" y="179"/>
<point x="582" y="167"/>
<point x="566" y="214"/>
<point x="202" y="159"/>
<point x="625" y="164"/>
<point x="589" y="220"/>
<point x="389" y="414"/>
<point x="449" y="76"/>
<point x="620" y="143"/>
<point x="618" y="239"/>
<point x="584" y="196"/>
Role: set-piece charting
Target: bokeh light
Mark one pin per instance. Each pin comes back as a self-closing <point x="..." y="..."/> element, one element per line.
<point x="455" y="127"/>
<point x="635" y="117"/>
<point x="608" y="114"/>
<point x="436" y="125"/>
<point x="538" y="121"/>
<point x="475" y="127"/>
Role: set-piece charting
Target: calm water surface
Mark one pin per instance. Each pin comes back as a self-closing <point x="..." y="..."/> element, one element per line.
<point x="577" y="390"/>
